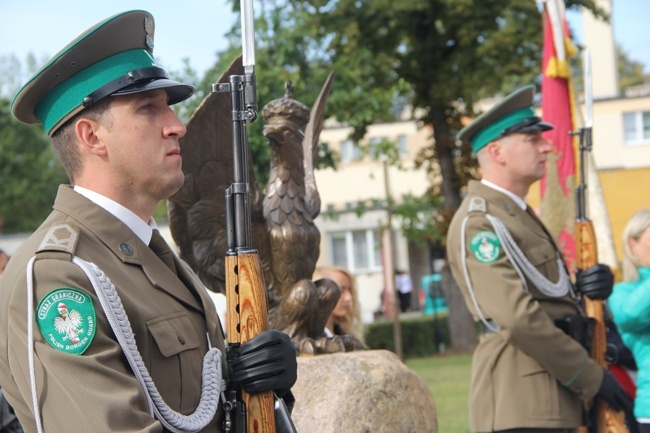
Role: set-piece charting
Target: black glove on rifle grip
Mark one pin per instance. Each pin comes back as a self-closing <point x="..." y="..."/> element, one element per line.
<point x="595" y="282"/>
<point x="613" y="393"/>
<point x="267" y="362"/>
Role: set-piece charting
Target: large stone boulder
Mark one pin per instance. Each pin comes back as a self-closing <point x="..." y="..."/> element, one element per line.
<point x="361" y="392"/>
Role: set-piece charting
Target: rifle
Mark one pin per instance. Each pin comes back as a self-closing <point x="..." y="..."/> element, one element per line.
<point x="247" y="310"/>
<point x="607" y="419"/>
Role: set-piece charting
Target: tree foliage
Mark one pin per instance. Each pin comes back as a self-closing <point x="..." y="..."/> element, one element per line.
<point x="630" y="72"/>
<point x="29" y="172"/>
<point x="438" y="56"/>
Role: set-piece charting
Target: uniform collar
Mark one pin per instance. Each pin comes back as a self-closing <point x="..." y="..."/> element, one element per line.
<point x="518" y="200"/>
<point x="130" y="219"/>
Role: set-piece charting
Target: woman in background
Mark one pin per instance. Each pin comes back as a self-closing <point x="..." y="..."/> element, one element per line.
<point x="630" y="306"/>
<point x="346" y="315"/>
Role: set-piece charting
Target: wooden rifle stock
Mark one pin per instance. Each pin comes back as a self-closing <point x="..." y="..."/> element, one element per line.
<point x="247" y="316"/>
<point x="247" y="309"/>
<point x="607" y="419"/>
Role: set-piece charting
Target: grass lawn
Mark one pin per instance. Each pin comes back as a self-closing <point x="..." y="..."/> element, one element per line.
<point x="447" y="375"/>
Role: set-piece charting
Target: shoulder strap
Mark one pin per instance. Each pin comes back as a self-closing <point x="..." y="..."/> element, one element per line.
<point x="60" y="237"/>
<point x="476" y="204"/>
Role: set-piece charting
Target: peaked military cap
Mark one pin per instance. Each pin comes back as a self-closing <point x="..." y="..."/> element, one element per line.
<point x="514" y="114"/>
<point x="114" y="57"/>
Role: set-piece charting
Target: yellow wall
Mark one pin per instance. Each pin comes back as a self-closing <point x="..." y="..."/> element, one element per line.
<point x="625" y="191"/>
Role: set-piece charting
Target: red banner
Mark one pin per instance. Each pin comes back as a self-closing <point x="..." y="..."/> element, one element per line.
<point x="558" y="107"/>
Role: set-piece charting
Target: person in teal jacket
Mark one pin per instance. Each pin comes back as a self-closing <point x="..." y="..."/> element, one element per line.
<point x="630" y="306"/>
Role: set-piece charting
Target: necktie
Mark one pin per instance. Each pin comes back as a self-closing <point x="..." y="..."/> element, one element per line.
<point x="162" y="250"/>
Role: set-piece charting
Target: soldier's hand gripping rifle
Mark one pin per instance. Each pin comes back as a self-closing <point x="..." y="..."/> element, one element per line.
<point x="607" y="419"/>
<point x="247" y="310"/>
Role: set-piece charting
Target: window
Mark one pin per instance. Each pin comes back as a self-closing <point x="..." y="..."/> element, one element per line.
<point x="402" y="145"/>
<point x="339" y="253"/>
<point x="636" y="127"/>
<point x="356" y="249"/>
<point x="359" y="249"/>
<point x="374" y="147"/>
<point x="350" y="151"/>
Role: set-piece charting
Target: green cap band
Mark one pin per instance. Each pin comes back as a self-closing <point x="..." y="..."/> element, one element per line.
<point x="69" y="95"/>
<point x="495" y="129"/>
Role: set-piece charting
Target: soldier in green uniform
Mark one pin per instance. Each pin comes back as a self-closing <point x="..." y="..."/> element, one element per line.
<point x="102" y="327"/>
<point x="530" y="370"/>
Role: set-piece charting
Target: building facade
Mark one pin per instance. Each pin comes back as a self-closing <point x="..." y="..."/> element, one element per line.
<point x="354" y="212"/>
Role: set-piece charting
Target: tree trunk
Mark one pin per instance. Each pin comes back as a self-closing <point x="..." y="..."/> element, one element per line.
<point x="444" y="146"/>
<point x="419" y="266"/>
<point x="462" y="329"/>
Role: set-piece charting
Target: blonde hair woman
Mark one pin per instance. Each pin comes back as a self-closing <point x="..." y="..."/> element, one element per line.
<point x="630" y="303"/>
<point x="346" y="315"/>
<point x="636" y="245"/>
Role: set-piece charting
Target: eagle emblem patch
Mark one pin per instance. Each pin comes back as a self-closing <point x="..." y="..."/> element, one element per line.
<point x="486" y="246"/>
<point x="66" y="319"/>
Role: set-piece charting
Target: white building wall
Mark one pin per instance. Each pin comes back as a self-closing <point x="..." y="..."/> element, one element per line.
<point x="362" y="180"/>
<point x="598" y="36"/>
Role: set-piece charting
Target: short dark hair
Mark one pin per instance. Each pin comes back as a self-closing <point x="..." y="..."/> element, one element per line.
<point x="64" y="141"/>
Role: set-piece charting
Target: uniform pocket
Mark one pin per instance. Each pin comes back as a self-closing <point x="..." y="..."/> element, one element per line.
<point x="177" y="364"/>
<point x="544" y="257"/>
<point x="541" y="254"/>
<point x="537" y="396"/>
<point x="527" y="365"/>
<point x="173" y="333"/>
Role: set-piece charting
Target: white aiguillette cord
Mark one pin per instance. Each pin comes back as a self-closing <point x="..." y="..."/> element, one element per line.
<point x="212" y="386"/>
<point x="522" y="266"/>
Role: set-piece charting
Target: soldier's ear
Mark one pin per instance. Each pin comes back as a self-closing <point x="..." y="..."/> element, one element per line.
<point x="88" y="133"/>
<point x="495" y="151"/>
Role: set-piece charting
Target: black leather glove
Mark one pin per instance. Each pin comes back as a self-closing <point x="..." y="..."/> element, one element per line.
<point x="613" y="393"/>
<point x="267" y="362"/>
<point x="595" y="282"/>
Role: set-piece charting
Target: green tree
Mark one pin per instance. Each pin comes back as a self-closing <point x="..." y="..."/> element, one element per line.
<point x="630" y="72"/>
<point x="14" y="73"/>
<point x="29" y="172"/>
<point x="438" y="56"/>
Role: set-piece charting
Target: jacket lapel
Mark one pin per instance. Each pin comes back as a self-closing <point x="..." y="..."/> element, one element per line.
<point x="502" y="201"/>
<point x="121" y="240"/>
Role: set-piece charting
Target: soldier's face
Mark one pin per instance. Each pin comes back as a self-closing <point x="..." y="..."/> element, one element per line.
<point x="142" y="146"/>
<point x="525" y="155"/>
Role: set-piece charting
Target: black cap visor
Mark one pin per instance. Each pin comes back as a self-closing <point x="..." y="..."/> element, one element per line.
<point x="532" y="124"/>
<point x="142" y="80"/>
<point x="176" y="92"/>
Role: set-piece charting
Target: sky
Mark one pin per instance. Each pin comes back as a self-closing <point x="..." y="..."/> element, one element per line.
<point x="191" y="29"/>
<point x="195" y="29"/>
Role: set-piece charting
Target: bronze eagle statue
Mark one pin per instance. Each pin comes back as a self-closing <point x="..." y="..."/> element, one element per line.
<point x="282" y="220"/>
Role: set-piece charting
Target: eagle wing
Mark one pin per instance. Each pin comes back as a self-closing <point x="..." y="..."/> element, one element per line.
<point x="310" y="146"/>
<point x="197" y="212"/>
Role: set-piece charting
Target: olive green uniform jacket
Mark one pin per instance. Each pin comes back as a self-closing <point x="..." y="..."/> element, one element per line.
<point x="529" y="374"/>
<point x="97" y="390"/>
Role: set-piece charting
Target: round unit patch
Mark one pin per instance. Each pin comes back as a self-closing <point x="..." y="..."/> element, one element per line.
<point x="66" y="318"/>
<point x="485" y="246"/>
